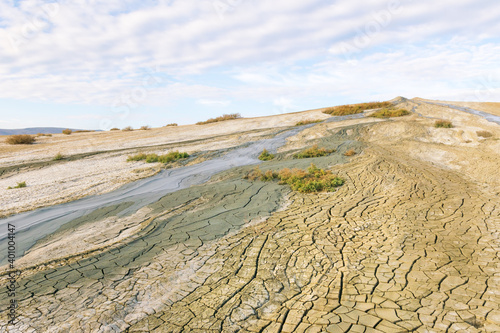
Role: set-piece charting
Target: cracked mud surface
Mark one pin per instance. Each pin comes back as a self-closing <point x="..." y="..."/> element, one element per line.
<point x="409" y="243"/>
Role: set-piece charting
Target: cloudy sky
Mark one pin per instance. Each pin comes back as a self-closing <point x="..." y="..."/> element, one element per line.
<point x="112" y="63"/>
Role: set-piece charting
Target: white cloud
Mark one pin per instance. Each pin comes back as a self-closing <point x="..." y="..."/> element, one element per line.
<point x="213" y="102"/>
<point x="96" y="51"/>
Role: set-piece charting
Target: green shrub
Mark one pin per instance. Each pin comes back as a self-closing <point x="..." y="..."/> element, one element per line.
<point x="443" y="124"/>
<point x="265" y="156"/>
<point x="19" y="185"/>
<point x="314" y="151"/>
<point x="20" y="139"/>
<point x="307" y="122"/>
<point x="224" y="117"/>
<point x="58" y="157"/>
<point x="153" y="158"/>
<point x="314" y="180"/>
<point x="343" y="110"/>
<point x="67" y="131"/>
<point x="389" y="113"/>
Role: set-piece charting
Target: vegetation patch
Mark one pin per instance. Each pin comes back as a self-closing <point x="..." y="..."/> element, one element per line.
<point x="307" y="122"/>
<point x="350" y="152"/>
<point x="484" y="134"/>
<point x="172" y="124"/>
<point x="314" y="151"/>
<point x="312" y="180"/>
<point x="224" y="117"/>
<point x="19" y="185"/>
<point x="67" y="131"/>
<point x="443" y="124"/>
<point x="128" y="129"/>
<point x="44" y="134"/>
<point x="389" y="113"/>
<point x="266" y="156"/>
<point x="83" y="131"/>
<point x="114" y="129"/>
<point x="145" y="128"/>
<point x="20" y="139"/>
<point x="153" y="158"/>
<point x="58" y="157"/>
<point x="343" y="110"/>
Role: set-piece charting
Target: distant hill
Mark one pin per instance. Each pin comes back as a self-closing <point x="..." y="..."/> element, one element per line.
<point x="34" y="130"/>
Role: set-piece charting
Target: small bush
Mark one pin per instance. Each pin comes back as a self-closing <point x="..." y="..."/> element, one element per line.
<point x="484" y="134"/>
<point x="114" y="129"/>
<point x="153" y="158"/>
<point x="314" y="151"/>
<point x="312" y="180"/>
<point x="172" y="124"/>
<point x="145" y="128"/>
<point x="43" y="134"/>
<point x="58" y="157"/>
<point x="67" y="131"/>
<point x="224" y="117"/>
<point x="20" y="139"/>
<point x="350" y="152"/>
<point x="389" y="113"/>
<point x="138" y="157"/>
<point x="307" y="122"/>
<point x="344" y="110"/>
<point x="83" y="131"/>
<point x="19" y="185"/>
<point x="127" y="129"/>
<point x="265" y="156"/>
<point x="443" y="124"/>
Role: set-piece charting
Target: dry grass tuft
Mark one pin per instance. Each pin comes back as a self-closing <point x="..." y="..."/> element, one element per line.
<point x="224" y="117"/>
<point x="20" y="139"/>
<point x="314" y="151"/>
<point x="389" y="113"/>
<point x="128" y="129"/>
<point x="344" y="110"/>
<point x="350" y="152"/>
<point x="443" y="124"/>
<point x="153" y="158"/>
<point x="58" y="157"/>
<point x="307" y="122"/>
<point x="172" y="124"/>
<point x="145" y="128"/>
<point x="484" y="134"/>
<point x="67" y="131"/>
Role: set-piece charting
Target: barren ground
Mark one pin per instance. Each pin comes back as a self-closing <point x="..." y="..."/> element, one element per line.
<point x="409" y="243"/>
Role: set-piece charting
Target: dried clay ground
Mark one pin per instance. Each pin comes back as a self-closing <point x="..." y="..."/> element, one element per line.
<point x="410" y="242"/>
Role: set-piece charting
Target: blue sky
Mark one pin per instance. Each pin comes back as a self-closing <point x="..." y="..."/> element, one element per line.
<point x="99" y="64"/>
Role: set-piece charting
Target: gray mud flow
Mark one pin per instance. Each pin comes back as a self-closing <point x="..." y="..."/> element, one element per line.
<point x="34" y="225"/>
<point x="488" y="116"/>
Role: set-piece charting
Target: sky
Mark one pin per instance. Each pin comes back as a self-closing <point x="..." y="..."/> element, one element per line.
<point x="98" y="64"/>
